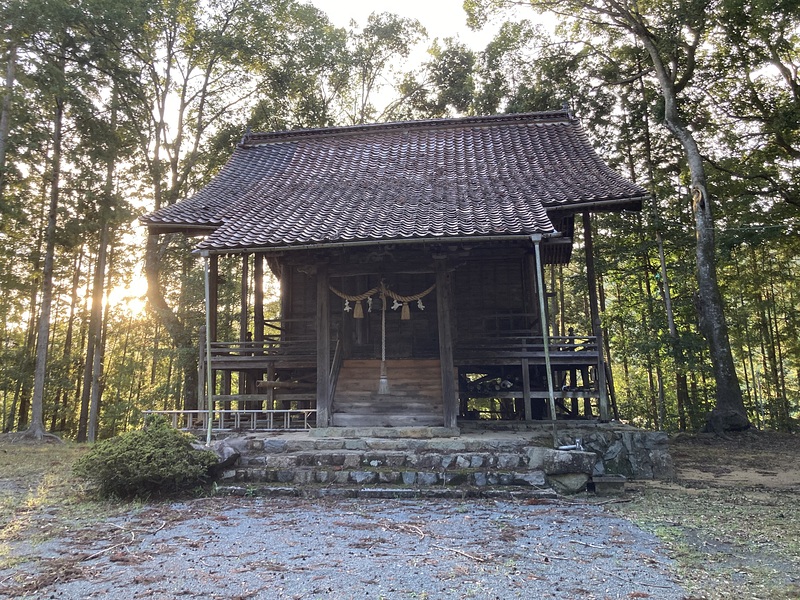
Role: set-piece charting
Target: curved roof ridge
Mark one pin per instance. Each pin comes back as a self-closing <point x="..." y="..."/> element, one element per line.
<point x="552" y="116"/>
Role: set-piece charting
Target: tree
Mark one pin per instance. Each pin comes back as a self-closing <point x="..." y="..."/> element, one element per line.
<point x="670" y="40"/>
<point x="54" y="52"/>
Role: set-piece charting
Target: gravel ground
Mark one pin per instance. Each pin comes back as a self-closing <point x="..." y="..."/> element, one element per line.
<point x="237" y="548"/>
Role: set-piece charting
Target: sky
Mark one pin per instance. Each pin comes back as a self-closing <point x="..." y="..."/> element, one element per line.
<point x="441" y="18"/>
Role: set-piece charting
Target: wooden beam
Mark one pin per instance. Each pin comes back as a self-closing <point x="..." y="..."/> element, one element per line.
<point x="444" y="305"/>
<point x="324" y="401"/>
<point x="380" y="268"/>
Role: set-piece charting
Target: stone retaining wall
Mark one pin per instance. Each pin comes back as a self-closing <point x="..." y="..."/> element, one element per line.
<point x="634" y="453"/>
<point x="478" y="460"/>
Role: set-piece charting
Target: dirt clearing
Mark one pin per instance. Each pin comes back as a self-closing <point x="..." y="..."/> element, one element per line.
<point x="731" y="519"/>
<point x="727" y="527"/>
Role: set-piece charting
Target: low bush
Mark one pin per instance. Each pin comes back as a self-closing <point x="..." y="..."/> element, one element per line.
<point x="154" y="461"/>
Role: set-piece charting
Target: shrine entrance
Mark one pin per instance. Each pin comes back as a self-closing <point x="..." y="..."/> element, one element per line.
<point x="390" y="367"/>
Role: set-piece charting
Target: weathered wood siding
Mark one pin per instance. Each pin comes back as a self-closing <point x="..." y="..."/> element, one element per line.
<point x="493" y="294"/>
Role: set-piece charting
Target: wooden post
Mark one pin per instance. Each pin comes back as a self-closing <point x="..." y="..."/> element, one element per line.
<point x="533" y="304"/>
<point x="444" y="306"/>
<point x="202" y="398"/>
<point x="209" y="262"/>
<point x="243" y="318"/>
<point x="213" y="296"/>
<point x="244" y="297"/>
<point x="258" y="300"/>
<point x="323" y="348"/>
<point x="536" y="239"/>
<point x="595" y="316"/>
<point x="526" y="389"/>
<point x="287" y="281"/>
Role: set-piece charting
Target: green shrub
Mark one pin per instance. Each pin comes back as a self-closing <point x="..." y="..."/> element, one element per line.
<point x="157" y="460"/>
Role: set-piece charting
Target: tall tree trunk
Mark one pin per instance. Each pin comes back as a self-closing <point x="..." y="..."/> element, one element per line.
<point x="86" y="386"/>
<point x="154" y="355"/>
<point x="97" y="379"/>
<point x="5" y="114"/>
<point x="785" y="410"/>
<point x="729" y="413"/>
<point x="63" y="394"/>
<point x="36" y="428"/>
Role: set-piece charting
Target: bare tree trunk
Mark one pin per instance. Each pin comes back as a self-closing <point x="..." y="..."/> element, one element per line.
<point x="154" y="357"/>
<point x="36" y="428"/>
<point x="86" y="388"/>
<point x="63" y="394"/>
<point x="729" y="413"/>
<point x="97" y="379"/>
<point x="5" y="114"/>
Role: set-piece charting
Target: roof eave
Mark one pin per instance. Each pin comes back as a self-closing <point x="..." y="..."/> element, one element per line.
<point x="631" y="203"/>
<point x="192" y="230"/>
<point x="377" y="242"/>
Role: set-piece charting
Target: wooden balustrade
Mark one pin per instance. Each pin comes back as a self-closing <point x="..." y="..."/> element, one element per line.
<point x="233" y="420"/>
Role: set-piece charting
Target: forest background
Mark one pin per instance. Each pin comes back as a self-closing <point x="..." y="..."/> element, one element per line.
<point x="111" y="110"/>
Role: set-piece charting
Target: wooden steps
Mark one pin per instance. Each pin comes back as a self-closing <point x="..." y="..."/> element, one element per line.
<point x="414" y="398"/>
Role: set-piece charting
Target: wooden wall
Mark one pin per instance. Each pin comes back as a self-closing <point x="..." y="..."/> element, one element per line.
<point x="492" y="293"/>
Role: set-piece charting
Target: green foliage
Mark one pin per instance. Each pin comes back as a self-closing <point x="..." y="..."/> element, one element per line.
<point x="156" y="460"/>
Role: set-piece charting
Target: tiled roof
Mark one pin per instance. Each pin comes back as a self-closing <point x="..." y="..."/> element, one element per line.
<point x="444" y="178"/>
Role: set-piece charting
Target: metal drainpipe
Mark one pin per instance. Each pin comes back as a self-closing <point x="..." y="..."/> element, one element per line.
<point x="209" y="373"/>
<point x="537" y="239"/>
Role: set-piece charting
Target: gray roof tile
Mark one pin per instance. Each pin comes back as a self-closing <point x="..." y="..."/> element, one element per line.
<point x="421" y="179"/>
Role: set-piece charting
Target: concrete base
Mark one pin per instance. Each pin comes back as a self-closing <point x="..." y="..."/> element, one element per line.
<point x="608" y="485"/>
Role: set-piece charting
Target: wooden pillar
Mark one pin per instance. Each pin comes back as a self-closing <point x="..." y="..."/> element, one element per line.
<point x="244" y="294"/>
<point x="286" y="278"/>
<point x="595" y="316"/>
<point x="258" y="298"/>
<point x="531" y="297"/>
<point x="526" y="389"/>
<point x="213" y="296"/>
<point x="533" y="304"/>
<point x="324" y="399"/>
<point x="444" y="303"/>
<point x="536" y="239"/>
<point x="202" y="398"/>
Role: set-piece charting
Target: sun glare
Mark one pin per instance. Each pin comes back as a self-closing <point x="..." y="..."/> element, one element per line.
<point x="129" y="299"/>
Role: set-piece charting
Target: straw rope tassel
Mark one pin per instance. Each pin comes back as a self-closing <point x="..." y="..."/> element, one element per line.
<point x="383" y="382"/>
<point x="405" y="312"/>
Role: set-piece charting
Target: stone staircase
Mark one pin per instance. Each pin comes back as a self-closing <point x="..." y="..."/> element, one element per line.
<point x="403" y="462"/>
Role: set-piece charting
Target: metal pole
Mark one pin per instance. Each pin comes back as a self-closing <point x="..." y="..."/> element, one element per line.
<point x="537" y="239"/>
<point x="209" y="371"/>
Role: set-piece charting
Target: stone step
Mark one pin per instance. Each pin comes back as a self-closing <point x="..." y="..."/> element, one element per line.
<point x="397" y="477"/>
<point x="420" y="462"/>
<point x="354" y="459"/>
<point x="385" y="419"/>
<point x="261" y="446"/>
<point x="515" y="493"/>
